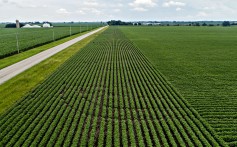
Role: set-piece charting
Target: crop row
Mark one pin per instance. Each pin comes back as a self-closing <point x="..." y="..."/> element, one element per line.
<point x="108" y="94"/>
<point x="190" y="59"/>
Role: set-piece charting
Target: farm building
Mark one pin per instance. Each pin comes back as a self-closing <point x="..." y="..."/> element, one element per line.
<point x="30" y="26"/>
<point x="151" y="24"/>
<point x="36" y="26"/>
<point x="46" y="25"/>
<point x="27" y="26"/>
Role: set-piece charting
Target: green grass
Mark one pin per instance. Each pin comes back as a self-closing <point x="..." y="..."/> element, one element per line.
<point x="201" y="62"/>
<point x="23" y="55"/>
<point x="14" y="89"/>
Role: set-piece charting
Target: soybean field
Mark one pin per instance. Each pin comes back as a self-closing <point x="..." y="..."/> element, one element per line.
<point x="108" y="94"/>
<point x="13" y="41"/>
<point x="201" y="63"/>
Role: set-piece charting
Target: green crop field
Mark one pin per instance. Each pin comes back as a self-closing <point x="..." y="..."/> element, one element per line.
<point x="77" y="24"/>
<point x="201" y="62"/>
<point x="2" y="25"/>
<point x="29" y="38"/>
<point x="108" y="94"/>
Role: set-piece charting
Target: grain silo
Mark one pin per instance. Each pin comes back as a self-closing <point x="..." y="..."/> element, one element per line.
<point x="17" y="24"/>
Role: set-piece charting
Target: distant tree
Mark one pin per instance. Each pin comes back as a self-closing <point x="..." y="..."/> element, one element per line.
<point x="211" y="25"/>
<point x="49" y="23"/>
<point x="197" y="24"/>
<point x="168" y="24"/>
<point x="226" y="24"/>
<point x="234" y="23"/>
<point x="204" y="24"/>
<point x="118" y="22"/>
<point x="13" y="25"/>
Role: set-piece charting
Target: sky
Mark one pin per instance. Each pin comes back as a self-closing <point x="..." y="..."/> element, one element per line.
<point x="125" y="10"/>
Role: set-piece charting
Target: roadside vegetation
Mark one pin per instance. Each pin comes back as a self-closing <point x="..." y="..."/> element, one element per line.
<point x="14" y="89"/>
<point x="23" y="55"/>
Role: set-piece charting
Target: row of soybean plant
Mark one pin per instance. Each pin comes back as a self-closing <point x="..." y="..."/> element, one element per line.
<point x="196" y="126"/>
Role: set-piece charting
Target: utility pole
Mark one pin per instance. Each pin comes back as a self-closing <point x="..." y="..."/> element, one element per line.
<point x="53" y="36"/>
<point x="70" y="30"/>
<point x="17" y="43"/>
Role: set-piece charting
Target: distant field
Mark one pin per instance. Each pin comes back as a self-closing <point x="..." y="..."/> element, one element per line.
<point x="29" y="38"/>
<point x="201" y="62"/>
<point x="2" y="26"/>
<point x="76" y="24"/>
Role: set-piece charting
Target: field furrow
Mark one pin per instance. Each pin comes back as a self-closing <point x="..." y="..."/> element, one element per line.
<point x="201" y="63"/>
<point x="108" y="94"/>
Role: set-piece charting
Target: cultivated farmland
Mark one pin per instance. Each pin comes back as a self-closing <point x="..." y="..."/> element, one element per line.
<point x="201" y="62"/>
<point x="108" y="94"/>
<point x="32" y="37"/>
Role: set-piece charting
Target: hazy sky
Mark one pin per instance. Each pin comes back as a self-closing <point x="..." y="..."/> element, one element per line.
<point x="127" y="10"/>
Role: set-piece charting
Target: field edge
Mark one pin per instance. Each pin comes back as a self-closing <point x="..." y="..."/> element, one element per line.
<point x="13" y="90"/>
<point x="7" y="61"/>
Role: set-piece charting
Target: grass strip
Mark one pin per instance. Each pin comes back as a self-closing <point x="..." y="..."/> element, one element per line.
<point x="26" y="54"/>
<point x="14" y="89"/>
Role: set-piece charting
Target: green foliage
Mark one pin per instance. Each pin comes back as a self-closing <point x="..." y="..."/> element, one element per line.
<point x="201" y="63"/>
<point x="118" y="23"/>
<point x="226" y="24"/>
<point x="13" y="25"/>
<point x="107" y="94"/>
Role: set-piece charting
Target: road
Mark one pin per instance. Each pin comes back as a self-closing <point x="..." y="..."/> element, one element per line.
<point x="17" y="68"/>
